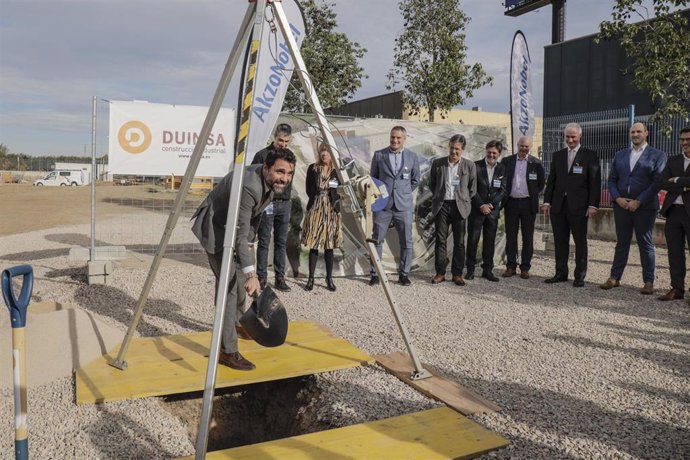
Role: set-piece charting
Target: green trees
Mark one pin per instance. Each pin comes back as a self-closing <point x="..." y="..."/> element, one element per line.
<point x="430" y="54"/>
<point x="331" y="59"/>
<point x="659" y="49"/>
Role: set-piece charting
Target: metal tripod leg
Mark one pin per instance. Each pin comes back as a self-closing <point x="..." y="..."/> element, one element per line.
<point x="218" y="98"/>
<point x="313" y="100"/>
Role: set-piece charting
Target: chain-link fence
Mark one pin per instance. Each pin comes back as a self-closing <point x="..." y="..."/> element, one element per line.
<point x="606" y="132"/>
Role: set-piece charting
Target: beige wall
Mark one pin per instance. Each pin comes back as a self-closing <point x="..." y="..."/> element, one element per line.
<point x="480" y="118"/>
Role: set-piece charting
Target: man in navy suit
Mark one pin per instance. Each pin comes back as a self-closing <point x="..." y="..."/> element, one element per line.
<point x="573" y="191"/>
<point x="676" y="209"/>
<point x="486" y="207"/>
<point x="634" y="182"/>
<point x="525" y="182"/>
<point x="398" y="169"/>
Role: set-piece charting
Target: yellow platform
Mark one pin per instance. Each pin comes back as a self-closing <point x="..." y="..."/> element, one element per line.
<point x="438" y="433"/>
<point x="176" y="364"/>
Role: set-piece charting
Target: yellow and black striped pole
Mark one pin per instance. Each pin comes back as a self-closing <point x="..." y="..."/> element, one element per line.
<point x="17" y="307"/>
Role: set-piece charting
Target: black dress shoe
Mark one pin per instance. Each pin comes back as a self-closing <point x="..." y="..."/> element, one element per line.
<point x="373" y="281"/>
<point x="579" y="283"/>
<point x="281" y="285"/>
<point x="236" y="361"/>
<point x="310" y="284"/>
<point x="556" y="279"/>
<point x="404" y="280"/>
<point x="469" y="276"/>
<point x="330" y="284"/>
<point x="490" y="276"/>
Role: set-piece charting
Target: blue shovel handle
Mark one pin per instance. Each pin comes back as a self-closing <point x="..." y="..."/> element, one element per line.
<point x="18" y="306"/>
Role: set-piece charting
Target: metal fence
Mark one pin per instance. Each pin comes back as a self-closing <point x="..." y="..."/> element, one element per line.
<point x="606" y="132"/>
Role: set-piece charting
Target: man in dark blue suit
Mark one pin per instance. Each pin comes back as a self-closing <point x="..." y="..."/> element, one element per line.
<point x="634" y="182"/>
<point x="398" y="168"/>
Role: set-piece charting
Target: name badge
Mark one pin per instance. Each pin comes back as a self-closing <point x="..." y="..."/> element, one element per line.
<point x="577" y="169"/>
<point x="455" y="182"/>
<point x="532" y="176"/>
<point x="406" y="176"/>
<point x="497" y="183"/>
<point x="333" y="183"/>
<point x="269" y="209"/>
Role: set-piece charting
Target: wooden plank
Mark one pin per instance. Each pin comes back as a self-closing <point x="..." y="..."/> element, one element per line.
<point x="177" y="364"/>
<point x="439" y="433"/>
<point x="437" y="386"/>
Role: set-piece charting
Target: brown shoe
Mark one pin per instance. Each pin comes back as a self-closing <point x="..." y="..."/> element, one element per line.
<point x="236" y="361"/>
<point x="242" y="334"/>
<point x="647" y="289"/>
<point x="458" y="279"/>
<point x="438" y="279"/>
<point x="508" y="273"/>
<point x="673" y="294"/>
<point x="524" y="274"/>
<point x="610" y="283"/>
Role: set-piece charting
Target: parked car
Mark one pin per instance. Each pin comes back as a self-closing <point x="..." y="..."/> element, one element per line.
<point x="62" y="178"/>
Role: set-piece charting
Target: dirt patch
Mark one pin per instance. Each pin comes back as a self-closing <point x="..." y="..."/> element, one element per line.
<point x="252" y="414"/>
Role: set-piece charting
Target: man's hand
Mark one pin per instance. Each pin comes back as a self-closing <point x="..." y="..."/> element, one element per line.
<point x="590" y="212"/>
<point x="251" y="284"/>
<point x="633" y="205"/>
<point x="546" y="208"/>
<point x="622" y="202"/>
<point x="485" y="209"/>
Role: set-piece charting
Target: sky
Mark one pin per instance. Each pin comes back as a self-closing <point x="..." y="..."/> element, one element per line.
<point x="56" y="55"/>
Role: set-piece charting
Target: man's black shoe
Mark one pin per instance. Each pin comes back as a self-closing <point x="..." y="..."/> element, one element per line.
<point x="489" y="276"/>
<point x="281" y="285"/>
<point x="404" y="280"/>
<point x="579" y="283"/>
<point x="373" y="281"/>
<point x="469" y="275"/>
<point x="556" y="279"/>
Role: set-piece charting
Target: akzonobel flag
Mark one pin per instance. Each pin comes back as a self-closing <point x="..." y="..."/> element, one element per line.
<point x="273" y="73"/>
<point x="521" y="104"/>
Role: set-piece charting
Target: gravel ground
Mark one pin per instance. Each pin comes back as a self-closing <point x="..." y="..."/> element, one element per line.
<point x="579" y="373"/>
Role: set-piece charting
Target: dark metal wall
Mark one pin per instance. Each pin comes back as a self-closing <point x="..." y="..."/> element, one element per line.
<point x="385" y="106"/>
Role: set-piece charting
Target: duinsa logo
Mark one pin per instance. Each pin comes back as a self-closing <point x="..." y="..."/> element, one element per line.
<point x="263" y="103"/>
<point x="134" y="137"/>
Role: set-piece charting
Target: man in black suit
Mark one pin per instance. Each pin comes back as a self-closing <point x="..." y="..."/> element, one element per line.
<point x="486" y="207"/>
<point x="525" y="182"/>
<point x="572" y="195"/>
<point x="676" y="209"/>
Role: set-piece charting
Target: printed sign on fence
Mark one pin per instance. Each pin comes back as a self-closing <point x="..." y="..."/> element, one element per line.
<point x="147" y="139"/>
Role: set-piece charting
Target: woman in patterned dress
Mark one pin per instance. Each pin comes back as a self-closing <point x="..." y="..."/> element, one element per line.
<point x="322" y="225"/>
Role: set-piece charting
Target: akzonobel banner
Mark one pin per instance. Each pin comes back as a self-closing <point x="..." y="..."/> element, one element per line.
<point x="273" y="73"/>
<point x="158" y="139"/>
<point x="521" y="104"/>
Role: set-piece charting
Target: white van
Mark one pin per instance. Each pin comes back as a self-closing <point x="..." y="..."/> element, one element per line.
<point x="62" y="177"/>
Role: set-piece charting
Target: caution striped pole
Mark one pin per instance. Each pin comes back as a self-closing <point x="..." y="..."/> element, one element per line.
<point x="247" y="102"/>
<point x="17" y="307"/>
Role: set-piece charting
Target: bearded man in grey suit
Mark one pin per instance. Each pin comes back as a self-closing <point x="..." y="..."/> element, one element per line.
<point x="260" y="183"/>
<point x="453" y="183"/>
<point x="398" y="169"/>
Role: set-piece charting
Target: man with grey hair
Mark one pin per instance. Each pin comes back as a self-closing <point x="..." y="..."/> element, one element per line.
<point x="525" y="182"/>
<point x="573" y="191"/>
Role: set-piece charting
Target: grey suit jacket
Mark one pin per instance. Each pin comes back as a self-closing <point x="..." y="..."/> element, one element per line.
<point x="212" y="214"/>
<point x="401" y="185"/>
<point x="438" y="173"/>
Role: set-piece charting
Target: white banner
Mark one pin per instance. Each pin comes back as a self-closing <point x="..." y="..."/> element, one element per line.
<point x="521" y="103"/>
<point x="273" y="73"/>
<point x="158" y="139"/>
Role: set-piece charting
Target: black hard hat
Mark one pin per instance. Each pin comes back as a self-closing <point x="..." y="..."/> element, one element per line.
<point x="266" y="319"/>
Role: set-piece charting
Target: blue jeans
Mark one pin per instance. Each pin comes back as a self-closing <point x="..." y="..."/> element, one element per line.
<point x="642" y="223"/>
<point x="402" y="221"/>
<point x="277" y="223"/>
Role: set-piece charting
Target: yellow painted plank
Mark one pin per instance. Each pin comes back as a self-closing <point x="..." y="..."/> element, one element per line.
<point x="177" y="364"/>
<point x="439" y="433"/>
